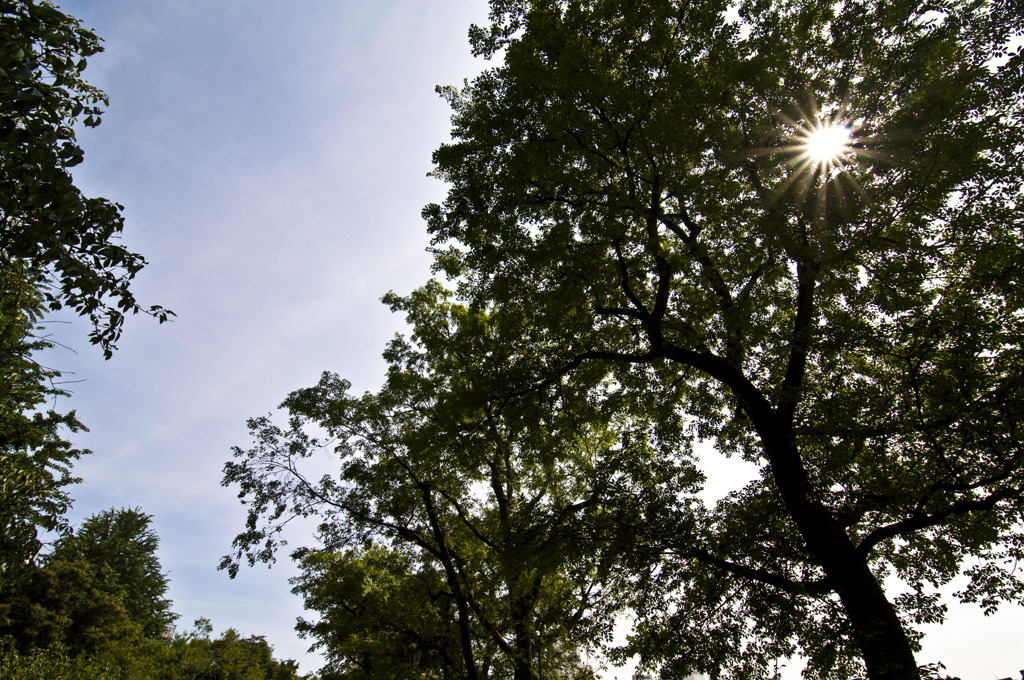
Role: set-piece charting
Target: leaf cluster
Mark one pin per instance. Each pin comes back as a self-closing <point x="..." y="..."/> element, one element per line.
<point x="68" y="241"/>
<point x="193" y="655"/>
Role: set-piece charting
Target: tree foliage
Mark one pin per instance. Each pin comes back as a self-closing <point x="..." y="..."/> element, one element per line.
<point x="62" y="604"/>
<point x="100" y="584"/>
<point x="382" y="614"/>
<point x="633" y="178"/>
<point x="198" y="655"/>
<point x="35" y="458"/>
<point x="446" y="528"/>
<point x="121" y="546"/>
<point x="95" y="607"/>
<point x="67" y="241"/>
<point x="194" y="655"/>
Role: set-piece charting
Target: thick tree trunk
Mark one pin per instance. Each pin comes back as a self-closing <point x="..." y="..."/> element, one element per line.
<point x="525" y="666"/>
<point x="525" y="638"/>
<point x="877" y="629"/>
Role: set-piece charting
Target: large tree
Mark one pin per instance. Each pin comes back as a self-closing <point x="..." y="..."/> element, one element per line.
<point x="69" y="241"/>
<point x="447" y="528"/>
<point x="641" y="180"/>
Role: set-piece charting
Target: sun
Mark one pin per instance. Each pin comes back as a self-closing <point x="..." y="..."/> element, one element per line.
<point x="824" y="150"/>
<point x="825" y="144"/>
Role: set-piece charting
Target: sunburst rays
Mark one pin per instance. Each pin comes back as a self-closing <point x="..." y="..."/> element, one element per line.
<point x="823" y="148"/>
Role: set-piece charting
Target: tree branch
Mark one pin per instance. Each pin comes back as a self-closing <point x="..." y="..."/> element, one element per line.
<point x="917" y="523"/>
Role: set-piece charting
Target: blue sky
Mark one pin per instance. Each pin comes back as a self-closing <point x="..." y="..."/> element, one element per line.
<point x="272" y="161"/>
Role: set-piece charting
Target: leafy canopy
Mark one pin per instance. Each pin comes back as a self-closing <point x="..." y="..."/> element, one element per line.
<point x="452" y="522"/>
<point x="100" y="584"/>
<point x="195" y="655"/>
<point x="62" y="605"/>
<point x="631" y="177"/>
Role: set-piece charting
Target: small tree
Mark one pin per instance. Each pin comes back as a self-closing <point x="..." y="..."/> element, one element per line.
<point x="197" y="656"/>
<point x="383" y="613"/>
<point x="63" y="605"/>
<point x="121" y="548"/>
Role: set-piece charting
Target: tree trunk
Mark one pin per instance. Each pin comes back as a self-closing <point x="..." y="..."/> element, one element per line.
<point x="877" y="628"/>
<point x="525" y="638"/>
<point x="524" y="669"/>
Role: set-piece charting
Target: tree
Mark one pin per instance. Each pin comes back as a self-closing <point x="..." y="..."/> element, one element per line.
<point x="445" y="531"/>
<point x="66" y="240"/>
<point x="35" y="459"/>
<point x="57" y="248"/>
<point x="121" y="546"/>
<point x="100" y="584"/>
<point x="385" y="614"/>
<point x="636" y="179"/>
<point x="95" y="608"/>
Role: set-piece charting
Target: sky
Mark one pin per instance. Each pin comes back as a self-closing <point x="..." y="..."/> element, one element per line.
<point x="272" y="162"/>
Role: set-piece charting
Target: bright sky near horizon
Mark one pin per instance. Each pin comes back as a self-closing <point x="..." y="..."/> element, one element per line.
<point x="272" y="161"/>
